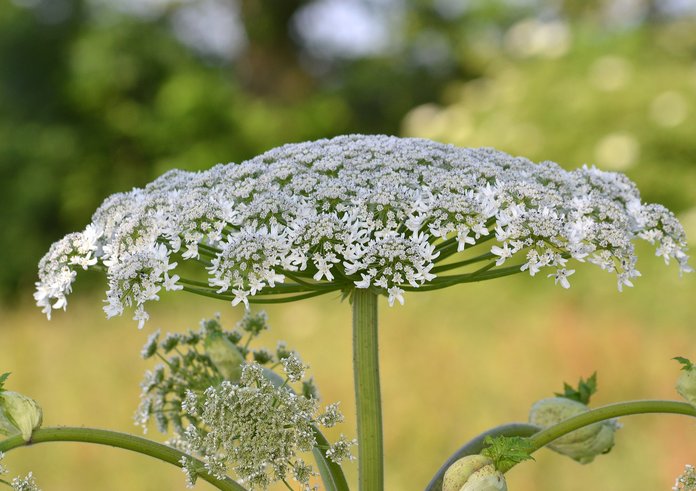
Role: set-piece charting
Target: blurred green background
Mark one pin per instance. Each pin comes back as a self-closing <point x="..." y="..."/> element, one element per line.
<point x="99" y="96"/>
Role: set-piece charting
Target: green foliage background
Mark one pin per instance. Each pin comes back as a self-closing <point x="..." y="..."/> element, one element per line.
<point x="95" y="100"/>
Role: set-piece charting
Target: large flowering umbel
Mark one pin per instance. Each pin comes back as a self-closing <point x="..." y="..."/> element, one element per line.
<point x="376" y="212"/>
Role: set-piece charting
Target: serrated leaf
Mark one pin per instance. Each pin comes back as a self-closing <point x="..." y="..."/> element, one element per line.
<point x="506" y="451"/>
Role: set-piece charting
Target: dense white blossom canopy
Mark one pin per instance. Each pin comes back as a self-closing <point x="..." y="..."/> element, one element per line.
<point x="357" y="211"/>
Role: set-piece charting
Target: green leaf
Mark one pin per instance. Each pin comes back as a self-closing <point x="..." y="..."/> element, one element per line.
<point x="687" y="364"/>
<point x="506" y="451"/>
<point x="3" y="377"/>
<point x="331" y="473"/>
<point x="584" y="391"/>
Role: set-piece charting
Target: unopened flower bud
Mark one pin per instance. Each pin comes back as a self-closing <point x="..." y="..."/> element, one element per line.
<point x="581" y="445"/>
<point x="225" y="355"/>
<point x="473" y="473"/>
<point x="686" y="383"/>
<point x="22" y="413"/>
<point x="6" y="428"/>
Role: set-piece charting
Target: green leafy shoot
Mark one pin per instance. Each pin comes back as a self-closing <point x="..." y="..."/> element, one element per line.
<point x="584" y="391"/>
<point x="687" y="364"/>
<point x="3" y="377"/>
<point x="506" y="451"/>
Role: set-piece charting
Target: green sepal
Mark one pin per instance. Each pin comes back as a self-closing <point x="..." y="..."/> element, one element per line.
<point x="3" y="378"/>
<point x="584" y="391"/>
<point x="687" y="364"/>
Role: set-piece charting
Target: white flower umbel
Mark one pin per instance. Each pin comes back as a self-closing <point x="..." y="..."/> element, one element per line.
<point x="257" y="429"/>
<point x="687" y="481"/>
<point x="27" y="483"/>
<point x="385" y="213"/>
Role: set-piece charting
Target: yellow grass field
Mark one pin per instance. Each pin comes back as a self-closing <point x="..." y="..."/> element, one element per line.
<point x="454" y="363"/>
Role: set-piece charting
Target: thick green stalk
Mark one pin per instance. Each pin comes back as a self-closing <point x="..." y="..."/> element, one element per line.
<point x="604" y="413"/>
<point x="119" y="440"/>
<point x="367" y="393"/>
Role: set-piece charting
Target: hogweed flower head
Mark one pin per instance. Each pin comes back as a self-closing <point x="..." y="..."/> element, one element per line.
<point x="27" y="483"/>
<point x="687" y="481"/>
<point x="256" y="428"/>
<point x="194" y="361"/>
<point x="386" y="213"/>
<point x="233" y="413"/>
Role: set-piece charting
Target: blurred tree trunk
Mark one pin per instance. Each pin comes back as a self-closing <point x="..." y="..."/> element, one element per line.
<point x="271" y="65"/>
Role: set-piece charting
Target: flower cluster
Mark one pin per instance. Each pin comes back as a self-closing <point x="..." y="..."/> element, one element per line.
<point x="233" y="413"/>
<point x="377" y="212"/>
<point x="27" y="483"/>
<point x="197" y="359"/>
<point x="258" y="429"/>
<point x="687" y="481"/>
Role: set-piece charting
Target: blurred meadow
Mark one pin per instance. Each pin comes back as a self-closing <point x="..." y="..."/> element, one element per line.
<point x="100" y="96"/>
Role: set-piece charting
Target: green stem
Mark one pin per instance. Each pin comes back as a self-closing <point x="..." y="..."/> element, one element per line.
<point x="259" y="298"/>
<point x="466" y="262"/>
<point x="119" y="440"/>
<point x="367" y="393"/>
<point x="603" y="413"/>
<point x="482" y="274"/>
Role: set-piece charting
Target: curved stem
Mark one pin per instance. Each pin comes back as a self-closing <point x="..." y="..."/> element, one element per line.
<point x="484" y="273"/>
<point x="367" y="392"/>
<point x="475" y="445"/>
<point x="293" y="298"/>
<point x="603" y="413"/>
<point x="466" y="262"/>
<point x="119" y="440"/>
<point x="256" y="299"/>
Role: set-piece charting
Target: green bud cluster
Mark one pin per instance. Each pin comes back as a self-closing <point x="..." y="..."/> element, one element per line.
<point x="241" y="410"/>
<point x="197" y="360"/>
